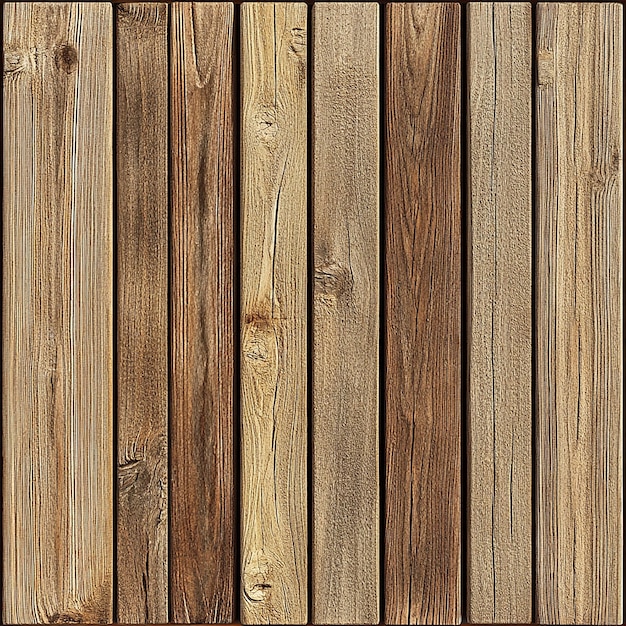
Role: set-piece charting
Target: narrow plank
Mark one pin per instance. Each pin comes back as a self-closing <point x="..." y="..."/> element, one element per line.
<point x="273" y="313"/>
<point x="499" y="550"/>
<point x="142" y="392"/>
<point x="202" y="352"/>
<point x="345" y="547"/>
<point x="57" y="446"/>
<point x="423" y="303"/>
<point x="579" y="313"/>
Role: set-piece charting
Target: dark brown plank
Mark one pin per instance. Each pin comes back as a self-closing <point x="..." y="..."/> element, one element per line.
<point x="142" y="153"/>
<point x="423" y="295"/>
<point x="202" y="515"/>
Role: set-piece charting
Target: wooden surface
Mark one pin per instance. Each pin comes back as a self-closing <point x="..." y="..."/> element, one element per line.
<point x="202" y="354"/>
<point x="57" y="433"/>
<point x="273" y="313"/>
<point x="499" y="411"/>
<point x="142" y="293"/>
<point x="422" y="308"/>
<point x="345" y="547"/>
<point x="579" y="313"/>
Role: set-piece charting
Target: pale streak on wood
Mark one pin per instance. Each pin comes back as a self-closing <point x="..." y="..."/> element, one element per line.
<point x="142" y="393"/>
<point x="273" y="313"/>
<point x="202" y="308"/>
<point x="346" y="543"/>
<point x="57" y="313"/>
<point x="579" y="313"/>
<point x="423" y="314"/>
<point x="499" y="563"/>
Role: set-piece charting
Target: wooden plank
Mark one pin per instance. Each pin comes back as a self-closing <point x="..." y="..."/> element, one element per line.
<point x="57" y="446"/>
<point x="423" y="305"/>
<point x="142" y="290"/>
<point x="579" y="313"/>
<point x="499" y="551"/>
<point x="345" y="548"/>
<point x="202" y="352"/>
<point x="273" y="313"/>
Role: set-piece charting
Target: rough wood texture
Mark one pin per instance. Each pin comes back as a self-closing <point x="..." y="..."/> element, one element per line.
<point x="345" y="552"/>
<point x="202" y="357"/>
<point x="579" y="313"/>
<point x="142" y="396"/>
<point x="57" y="341"/>
<point x="499" y="75"/>
<point x="423" y="295"/>
<point x="273" y="313"/>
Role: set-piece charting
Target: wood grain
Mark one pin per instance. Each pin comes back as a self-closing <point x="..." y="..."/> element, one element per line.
<point x="579" y="313"/>
<point x="499" y="549"/>
<point x="273" y="313"/>
<point x="202" y="352"/>
<point x="142" y="293"/>
<point x="345" y="550"/>
<point x="57" y="446"/>
<point x="422" y="308"/>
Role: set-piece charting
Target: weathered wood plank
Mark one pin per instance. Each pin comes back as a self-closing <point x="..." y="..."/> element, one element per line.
<point x="202" y="352"/>
<point x="345" y="550"/>
<point x="57" y="313"/>
<point x="142" y="290"/>
<point x="579" y="313"/>
<point x="273" y="313"/>
<point x="499" y="563"/>
<point x="423" y="305"/>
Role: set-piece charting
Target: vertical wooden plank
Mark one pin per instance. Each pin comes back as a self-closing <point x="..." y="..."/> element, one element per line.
<point x="423" y="296"/>
<point x="345" y="550"/>
<point x="273" y="313"/>
<point x="499" y="554"/>
<point x="142" y="393"/>
<point x="579" y="313"/>
<point x="201" y="431"/>
<point x="57" y="444"/>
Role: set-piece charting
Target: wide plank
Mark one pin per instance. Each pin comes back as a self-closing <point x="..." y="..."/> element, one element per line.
<point x="579" y="337"/>
<point x="346" y="154"/>
<point x="274" y="313"/>
<point x="499" y="497"/>
<point x="423" y="314"/>
<point x="142" y="314"/>
<point x="57" y="369"/>
<point x="202" y="309"/>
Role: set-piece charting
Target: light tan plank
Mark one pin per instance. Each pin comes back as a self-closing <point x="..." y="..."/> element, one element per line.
<point x="142" y="224"/>
<point x="273" y="313"/>
<point x="57" y="313"/>
<point x="202" y="554"/>
<point x="499" y="563"/>
<point x="579" y="313"/>
<point x="345" y="532"/>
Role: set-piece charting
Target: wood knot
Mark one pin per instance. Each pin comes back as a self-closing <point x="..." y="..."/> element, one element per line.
<point x="298" y="41"/>
<point x="259" y="342"/>
<point x="15" y="61"/>
<point x="66" y="58"/>
<point x="257" y="585"/>
<point x="333" y="283"/>
<point x="65" y="618"/>
<point x="266" y="125"/>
